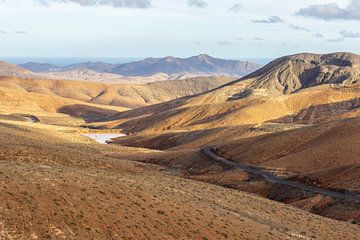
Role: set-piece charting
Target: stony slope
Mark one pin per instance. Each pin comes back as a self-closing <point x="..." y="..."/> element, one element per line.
<point x="56" y="184"/>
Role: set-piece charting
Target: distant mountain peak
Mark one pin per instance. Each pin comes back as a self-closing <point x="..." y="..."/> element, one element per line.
<point x="204" y="56"/>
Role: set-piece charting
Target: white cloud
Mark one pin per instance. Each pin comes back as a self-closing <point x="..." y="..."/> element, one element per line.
<point x="332" y="11"/>
<point x="236" y="8"/>
<point x="318" y="35"/>
<point x="272" y="19"/>
<point x="349" y="34"/>
<point x="20" y="32"/>
<point x="299" y="28"/>
<point x="197" y="3"/>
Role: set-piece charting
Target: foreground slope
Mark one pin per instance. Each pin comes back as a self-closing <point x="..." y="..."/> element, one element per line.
<point x="55" y="184"/>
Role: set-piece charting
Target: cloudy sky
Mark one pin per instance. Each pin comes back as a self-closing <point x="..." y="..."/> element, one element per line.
<point x="141" y="28"/>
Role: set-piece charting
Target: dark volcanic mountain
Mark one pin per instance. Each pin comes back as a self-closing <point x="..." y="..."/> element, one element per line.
<point x="198" y="65"/>
<point x="202" y="65"/>
<point x="39" y="67"/>
<point x="95" y="66"/>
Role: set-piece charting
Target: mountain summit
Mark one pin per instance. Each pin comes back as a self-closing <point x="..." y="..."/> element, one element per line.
<point x="291" y="73"/>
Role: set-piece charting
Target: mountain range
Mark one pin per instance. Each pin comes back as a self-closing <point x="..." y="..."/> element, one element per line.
<point x="201" y="65"/>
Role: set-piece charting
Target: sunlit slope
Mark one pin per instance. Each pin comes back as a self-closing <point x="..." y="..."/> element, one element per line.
<point x="52" y="108"/>
<point x="197" y="113"/>
<point x="8" y="69"/>
<point x="259" y="98"/>
<point x="123" y="95"/>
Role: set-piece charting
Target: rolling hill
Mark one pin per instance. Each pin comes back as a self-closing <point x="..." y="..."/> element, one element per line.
<point x="7" y="69"/>
<point x="121" y="95"/>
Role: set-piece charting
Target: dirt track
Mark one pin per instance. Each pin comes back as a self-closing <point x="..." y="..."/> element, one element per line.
<point x="208" y="151"/>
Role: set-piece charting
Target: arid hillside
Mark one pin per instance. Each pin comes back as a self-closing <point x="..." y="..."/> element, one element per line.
<point x="326" y="153"/>
<point x="307" y="136"/>
<point x="122" y="95"/>
<point x="7" y="69"/>
<point x="254" y="99"/>
<point x="57" y="184"/>
<point x="291" y="73"/>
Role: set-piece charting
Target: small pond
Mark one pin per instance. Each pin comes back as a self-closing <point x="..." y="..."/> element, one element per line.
<point x="102" y="138"/>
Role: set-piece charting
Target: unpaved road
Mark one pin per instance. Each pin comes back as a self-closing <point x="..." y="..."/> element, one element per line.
<point x="208" y="151"/>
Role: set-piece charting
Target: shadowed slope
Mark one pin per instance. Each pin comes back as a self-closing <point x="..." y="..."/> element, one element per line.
<point x="326" y="152"/>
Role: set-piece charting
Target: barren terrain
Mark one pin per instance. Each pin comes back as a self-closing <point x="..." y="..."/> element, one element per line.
<point x="280" y="167"/>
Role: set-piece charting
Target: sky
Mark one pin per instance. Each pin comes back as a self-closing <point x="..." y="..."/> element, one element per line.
<point x="157" y="28"/>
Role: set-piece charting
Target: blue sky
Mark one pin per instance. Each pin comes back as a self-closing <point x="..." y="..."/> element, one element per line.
<point x="141" y="28"/>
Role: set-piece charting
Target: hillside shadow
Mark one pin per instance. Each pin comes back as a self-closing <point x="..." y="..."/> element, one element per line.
<point x="320" y="113"/>
<point x="88" y="113"/>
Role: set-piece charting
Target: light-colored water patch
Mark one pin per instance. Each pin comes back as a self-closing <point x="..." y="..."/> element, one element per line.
<point x="103" y="138"/>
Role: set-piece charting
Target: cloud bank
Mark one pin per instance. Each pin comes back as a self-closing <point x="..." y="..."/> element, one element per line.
<point x="113" y="3"/>
<point x="332" y="11"/>
<point x="349" y="34"/>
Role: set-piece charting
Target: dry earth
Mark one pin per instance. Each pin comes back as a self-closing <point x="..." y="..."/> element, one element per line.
<point x="55" y="184"/>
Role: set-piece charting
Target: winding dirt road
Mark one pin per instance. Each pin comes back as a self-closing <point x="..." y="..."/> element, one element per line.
<point x="270" y="177"/>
